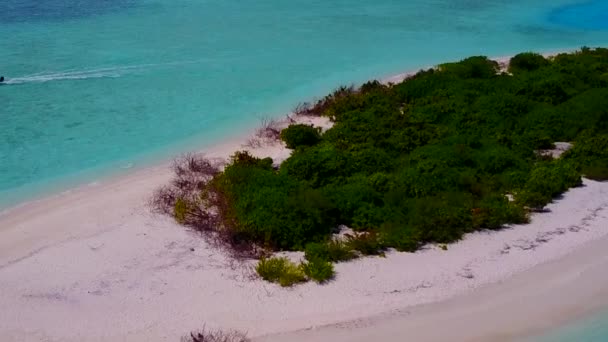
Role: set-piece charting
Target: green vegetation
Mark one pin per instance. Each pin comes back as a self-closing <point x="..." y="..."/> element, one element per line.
<point x="299" y="135"/>
<point x="333" y="250"/>
<point x="425" y="160"/>
<point x="181" y="210"/>
<point x="592" y="152"/>
<point x="318" y="270"/>
<point x="527" y="61"/>
<point x="281" y="271"/>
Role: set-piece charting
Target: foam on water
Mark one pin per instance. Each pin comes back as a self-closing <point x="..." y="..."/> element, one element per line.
<point x="113" y="72"/>
<point x="96" y="85"/>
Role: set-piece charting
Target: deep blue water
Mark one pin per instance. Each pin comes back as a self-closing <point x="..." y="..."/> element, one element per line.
<point x="590" y="15"/>
<point x="101" y="85"/>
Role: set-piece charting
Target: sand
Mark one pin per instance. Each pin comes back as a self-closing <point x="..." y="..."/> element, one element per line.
<point x="528" y="303"/>
<point x="93" y="264"/>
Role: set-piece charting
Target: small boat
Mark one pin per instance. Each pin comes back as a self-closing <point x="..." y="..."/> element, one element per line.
<point x="1" y="79"/>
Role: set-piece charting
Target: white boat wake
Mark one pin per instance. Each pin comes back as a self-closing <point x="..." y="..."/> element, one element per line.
<point x="107" y="72"/>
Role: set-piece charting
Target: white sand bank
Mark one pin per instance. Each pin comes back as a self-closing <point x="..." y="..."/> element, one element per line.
<point x="96" y="266"/>
<point x="534" y="301"/>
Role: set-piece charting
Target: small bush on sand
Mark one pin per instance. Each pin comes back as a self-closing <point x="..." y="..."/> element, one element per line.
<point x="281" y="271"/>
<point x="180" y="210"/>
<point x="333" y="250"/>
<point x="269" y="130"/>
<point x="320" y="107"/>
<point x="299" y="135"/>
<point x="366" y="244"/>
<point x="206" y="335"/>
<point x="194" y="201"/>
<point x="536" y="201"/>
<point x="318" y="270"/>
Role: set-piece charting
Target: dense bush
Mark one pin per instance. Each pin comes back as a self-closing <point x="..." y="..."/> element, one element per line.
<point x="300" y="135"/>
<point x="472" y="67"/>
<point x="527" y="61"/>
<point x="332" y="250"/>
<point x="366" y="244"/>
<point x="597" y="171"/>
<point x="591" y="154"/>
<point x="281" y="271"/>
<point x="425" y="160"/>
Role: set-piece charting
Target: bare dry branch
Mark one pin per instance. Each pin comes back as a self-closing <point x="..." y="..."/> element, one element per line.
<point x="206" y="335"/>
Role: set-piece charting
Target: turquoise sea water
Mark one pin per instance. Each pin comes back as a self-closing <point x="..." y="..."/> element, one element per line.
<point x="590" y="329"/>
<point x="101" y="85"/>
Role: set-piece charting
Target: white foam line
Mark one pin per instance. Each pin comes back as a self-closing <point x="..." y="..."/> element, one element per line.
<point x="71" y="74"/>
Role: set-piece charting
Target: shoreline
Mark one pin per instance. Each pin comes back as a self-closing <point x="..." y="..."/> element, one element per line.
<point x="28" y="194"/>
<point x="126" y="274"/>
<point x="521" y="308"/>
<point x="93" y="264"/>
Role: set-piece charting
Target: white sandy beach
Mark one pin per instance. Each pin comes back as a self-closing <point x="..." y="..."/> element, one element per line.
<point x="93" y="264"/>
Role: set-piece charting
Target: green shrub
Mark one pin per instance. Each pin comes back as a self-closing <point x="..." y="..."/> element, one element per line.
<point x="495" y="211"/>
<point x="548" y="180"/>
<point x="281" y="271"/>
<point x="273" y="210"/>
<point x="596" y="172"/>
<point x="591" y="152"/>
<point x="472" y="67"/>
<point x="318" y="270"/>
<point x="401" y="237"/>
<point x="534" y="200"/>
<point x="332" y="250"/>
<point x="366" y="244"/>
<point x="527" y="61"/>
<point x="299" y="135"/>
<point x="244" y="158"/>
<point x="180" y="210"/>
<point x="443" y="218"/>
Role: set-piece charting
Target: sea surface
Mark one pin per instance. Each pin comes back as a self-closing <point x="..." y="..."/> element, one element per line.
<point x="100" y="86"/>
<point x="590" y="329"/>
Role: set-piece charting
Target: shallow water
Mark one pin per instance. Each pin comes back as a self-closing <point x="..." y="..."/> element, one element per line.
<point x="99" y="85"/>
<point x="590" y="329"/>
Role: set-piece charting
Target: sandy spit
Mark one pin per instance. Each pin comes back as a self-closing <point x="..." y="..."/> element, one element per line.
<point x="93" y="264"/>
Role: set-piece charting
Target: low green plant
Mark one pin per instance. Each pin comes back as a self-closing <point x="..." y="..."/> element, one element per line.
<point x="366" y="244"/>
<point x="180" y="210"/>
<point x="300" y="135"/>
<point x="596" y="172"/>
<point x="318" y="270"/>
<point x="280" y="270"/>
<point x="533" y="200"/>
<point x="332" y="250"/>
